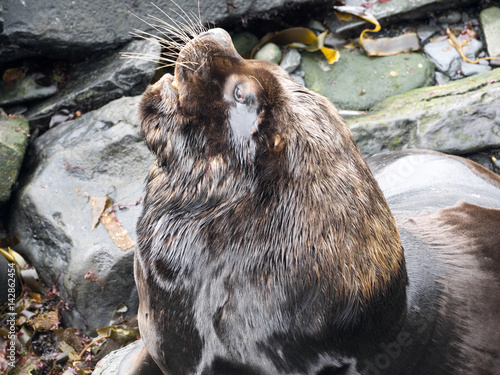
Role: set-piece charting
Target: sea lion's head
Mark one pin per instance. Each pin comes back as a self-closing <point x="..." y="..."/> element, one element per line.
<point x="267" y="168"/>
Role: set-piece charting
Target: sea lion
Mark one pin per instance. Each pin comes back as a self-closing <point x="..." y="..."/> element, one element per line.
<point x="266" y="245"/>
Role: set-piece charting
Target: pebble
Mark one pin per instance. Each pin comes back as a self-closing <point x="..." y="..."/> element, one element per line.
<point x="452" y="16"/>
<point x="425" y="32"/>
<point x="244" y="43"/>
<point x="291" y="60"/>
<point x="469" y="69"/>
<point x="442" y="79"/>
<point x="270" y="52"/>
<point x="444" y="56"/>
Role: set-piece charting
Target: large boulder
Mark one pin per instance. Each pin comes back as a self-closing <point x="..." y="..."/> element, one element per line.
<point x="357" y="82"/>
<point x="69" y="30"/>
<point x="462" y="117"/>
<point x="99" y="154"/>
<point x="96" y="82"/>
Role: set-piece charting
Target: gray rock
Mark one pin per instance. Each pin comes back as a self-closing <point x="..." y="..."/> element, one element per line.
<point x="23" y="90"/>
<point x="93" y="84"/>
<point x="425" y="32"/>
<point x="298" y="76"/>
<point x="441" y="79"/>
<point x="357" y="82"/>
<point x="291" y="60"/>
<point x="490" y="23"/>
<point x="469" y="69"/>
<point x="452" y="16"/>
<point x="472" y="48"/>
<point x="269" y="52"/>
<point x="100" y="153"/>
<point x="71" y="30"/>
<point x="444" y="56"/>
<point x="462" y="117"/>
<point x="13" y="141"/>
<point x="394" y="10"/>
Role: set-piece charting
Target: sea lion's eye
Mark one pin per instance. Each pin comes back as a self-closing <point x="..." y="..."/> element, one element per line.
<point x="238" y="94"/>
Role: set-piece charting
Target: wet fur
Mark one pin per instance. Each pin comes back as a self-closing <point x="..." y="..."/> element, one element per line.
<point x="277" y="253"/>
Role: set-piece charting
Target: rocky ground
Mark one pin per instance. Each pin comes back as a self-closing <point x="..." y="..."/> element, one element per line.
<point x="72" y="163"/>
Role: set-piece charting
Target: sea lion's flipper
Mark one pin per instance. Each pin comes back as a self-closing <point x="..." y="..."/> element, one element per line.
<point x="139" y="362"/>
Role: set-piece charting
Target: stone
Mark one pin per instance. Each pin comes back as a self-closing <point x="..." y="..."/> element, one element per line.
<point x="469" y="69"/>
<point x="99" y="154"/>
<point x="441" y="79"/>
<point x="291" y="60"/>
<point x="462" y="117"/>
<point x="244" y="43"/>
<point x="452" y="16"/>
<point x="444" y="56"/>
<point x="472" y="48"/>
<point x="387" y="12"/>
<point x="490" y="23"/>
<point x="14" y="132"/>
<point x="23" y="90"/>
<point x="69" y="30"/>
<point x="269" y="52"/>
<point x="358" y="82"/>
<point x="95" y="83"/>
<point x="425" y="32"/>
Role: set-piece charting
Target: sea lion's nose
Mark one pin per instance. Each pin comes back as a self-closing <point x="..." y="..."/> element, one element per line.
<point x="220" y="35"/>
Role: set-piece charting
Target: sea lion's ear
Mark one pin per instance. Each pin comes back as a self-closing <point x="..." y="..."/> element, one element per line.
<point x="278" y="142"/>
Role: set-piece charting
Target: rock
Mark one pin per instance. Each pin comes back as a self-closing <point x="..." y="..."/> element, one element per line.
<point x="101" y="153"/>
<point x="110" y="365"/>
<point x="65" y="29"/>
<point x="452" y="16"/>
<point x="269" y="52"/>
<point x="444" y="56"/>
<point x="358" y="82"/>
<point x="244" y="43"/>
<point x="291" y="60"/>
<point x="458" y="118"/>
<point x="441" y="79"/>
<point x="469" y="69"/>
<point x="14" y="132"/>
<point x="394" y="10"/>
<point x="425" y="32"/>
<point x="23" y="90"/>
<point x="472" y="48"/>
<point x="298" y="76"/>
<point x="490" y="23"/>
<point x="95" y="83"/>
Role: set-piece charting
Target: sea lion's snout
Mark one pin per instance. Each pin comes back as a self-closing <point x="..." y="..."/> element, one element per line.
<point x="220" y="35"/>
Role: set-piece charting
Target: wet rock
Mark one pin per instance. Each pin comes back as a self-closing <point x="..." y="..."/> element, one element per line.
<point x="452" y="16"/>
<point x="244" y="43"/>
<point x="425" y="32"/>
<point x="270" y="52"/>
<point x="490" y="23"/>
<point x="23" y="90"/>
<point x="95" y="83"/>
<point x="444" y="56"/>
<point x="65" y="29"/>
<point x="101" y="153"/>
<point x="441" y="79"/>
<point x="13" y="141"/>
<point x="358" y="82"/>
<point x="394" y="10"/>
<point x="459" y="118"/>
<point x="291" y="60"/>
<point x="469" y="69"/>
